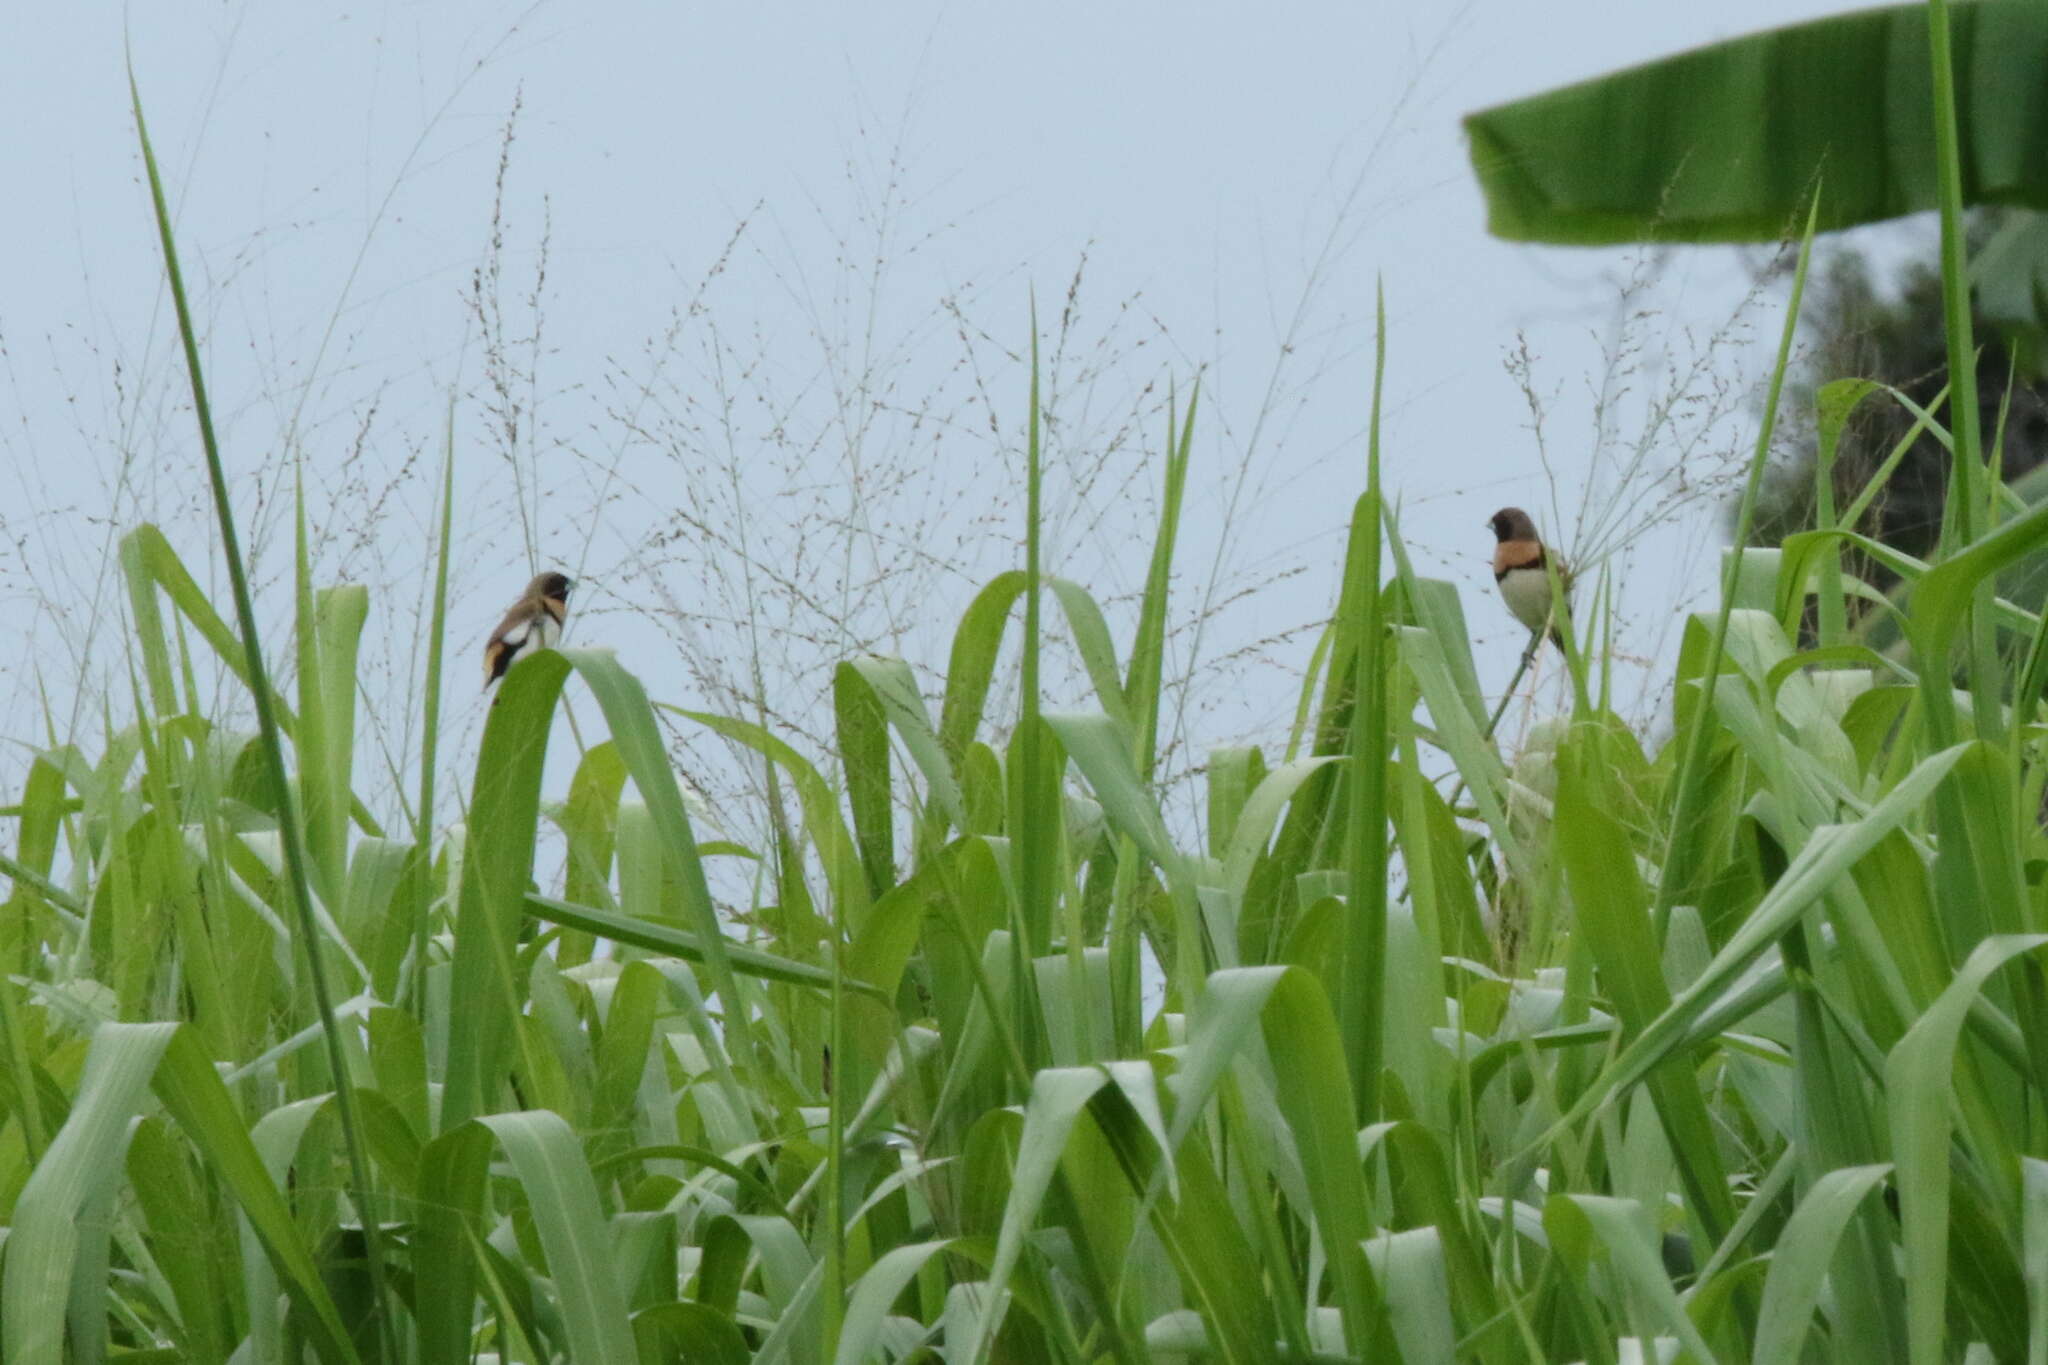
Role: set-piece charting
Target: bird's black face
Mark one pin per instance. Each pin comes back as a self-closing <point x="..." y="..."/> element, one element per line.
<point x="552" y="585"/>
<point x="1512" y="523"/>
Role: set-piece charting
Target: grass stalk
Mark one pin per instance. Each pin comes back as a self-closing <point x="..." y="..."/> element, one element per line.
<point x="1362" y="992"/>
<point x="1689" y="782"/>
<point x="1035" y="835"/>
<point x="362" y="1190"/>
<point x="1968" y="495"/>
<point x="430" y="728"/>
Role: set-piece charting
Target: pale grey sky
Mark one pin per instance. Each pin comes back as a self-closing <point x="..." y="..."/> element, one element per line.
<point x="860" y="202"/>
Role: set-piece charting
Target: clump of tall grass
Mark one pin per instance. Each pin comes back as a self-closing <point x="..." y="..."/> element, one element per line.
<point x="284" y="1076"/>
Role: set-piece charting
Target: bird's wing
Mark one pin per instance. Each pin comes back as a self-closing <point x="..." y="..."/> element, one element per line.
<point x="505" y="644"/>
<point x="497" y="658"/>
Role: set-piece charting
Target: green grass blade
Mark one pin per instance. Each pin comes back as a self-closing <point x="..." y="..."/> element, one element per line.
<point x="1622" y="1228"/>
<point x="430" y="726"/>
<point x="863" y="735"/>
<point x="1361" y="993"/>
<point x="549" y="1164"/>
<point x="295" y="854"/>
<point x="1092" y="643"/>
<point x="1613" y="908"/>
<point x="497" y="865"/>
<point x="1688" y="782"/>
<point x="1828" y="856"/>
<point x="192" y="1092"/>
<point x="83" y="1162"/>
<point x="681" y="943"/>
<point x="1799" y="1261"/>
<point x="1918" y="1088"/>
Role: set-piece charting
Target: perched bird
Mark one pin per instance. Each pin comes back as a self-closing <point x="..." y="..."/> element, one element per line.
<point x="534" y="622"/>
<point x="1519" y="567"/>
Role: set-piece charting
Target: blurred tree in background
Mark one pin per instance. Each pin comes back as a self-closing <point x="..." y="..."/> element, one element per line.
<point x="1860" y="326"/>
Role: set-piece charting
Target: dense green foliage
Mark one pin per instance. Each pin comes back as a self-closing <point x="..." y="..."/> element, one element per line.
<point x="1736" y="1049"/>
<point x="1759" y="1077"/>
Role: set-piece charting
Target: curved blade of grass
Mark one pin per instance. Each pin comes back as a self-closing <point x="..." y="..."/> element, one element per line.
<point x="1623" y="1228"/>
<point x="1941" y="606"/>
<point x="741" y="1177"/>
<point x="1411" y="1266"/>
<point x="1799" y="1260"/>
<point x="1092" y="642"/>
<point x="873" y="1294"/>
<point x="836" y="848"/>
<point x="619" y="1053"/>
<point x="1799" y="549"/>
<point x="1292" y="1010"/>
<point x="485" y="989"/>
<point x="1459" y="735"/>
<point x="972" y="664"/>
<point x="2034" y="1234"/>
<point x="1688" y="783"/>
<point x="430" y="728"/>
<point x="454" y="1171"/>
<point x="590" y="819"/>
<point x="630" y="717"/>
<point x="83" y="1163"/>
<point x="1918" y="1091"/>
<point x="150" y="563"/>
<point x="1307" y="1051"/>
<point x="1613" y="908"/>
<point x="122" y="1060"/>
<point x="1101" y="749"/>
<point x="862" y="730"/>
<point x="327" y="725"/>
<point x="498" y="865"/>
<point x="1827" y="857"/>
<point x="562" y="1197"/>
<point x="1429" y="1196"/>
<point x="1361" y="992"/>
<point x="1435" y="605"/>
<point x="1833" y="404"/>
<point x="659" y="938"/>
<point x="896" y="689"/>
<point x="272" y="747"/>
<point x="1262" y="810"/>
<point x="1058" y="1095"/>
<point x="275" y="1141"/>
